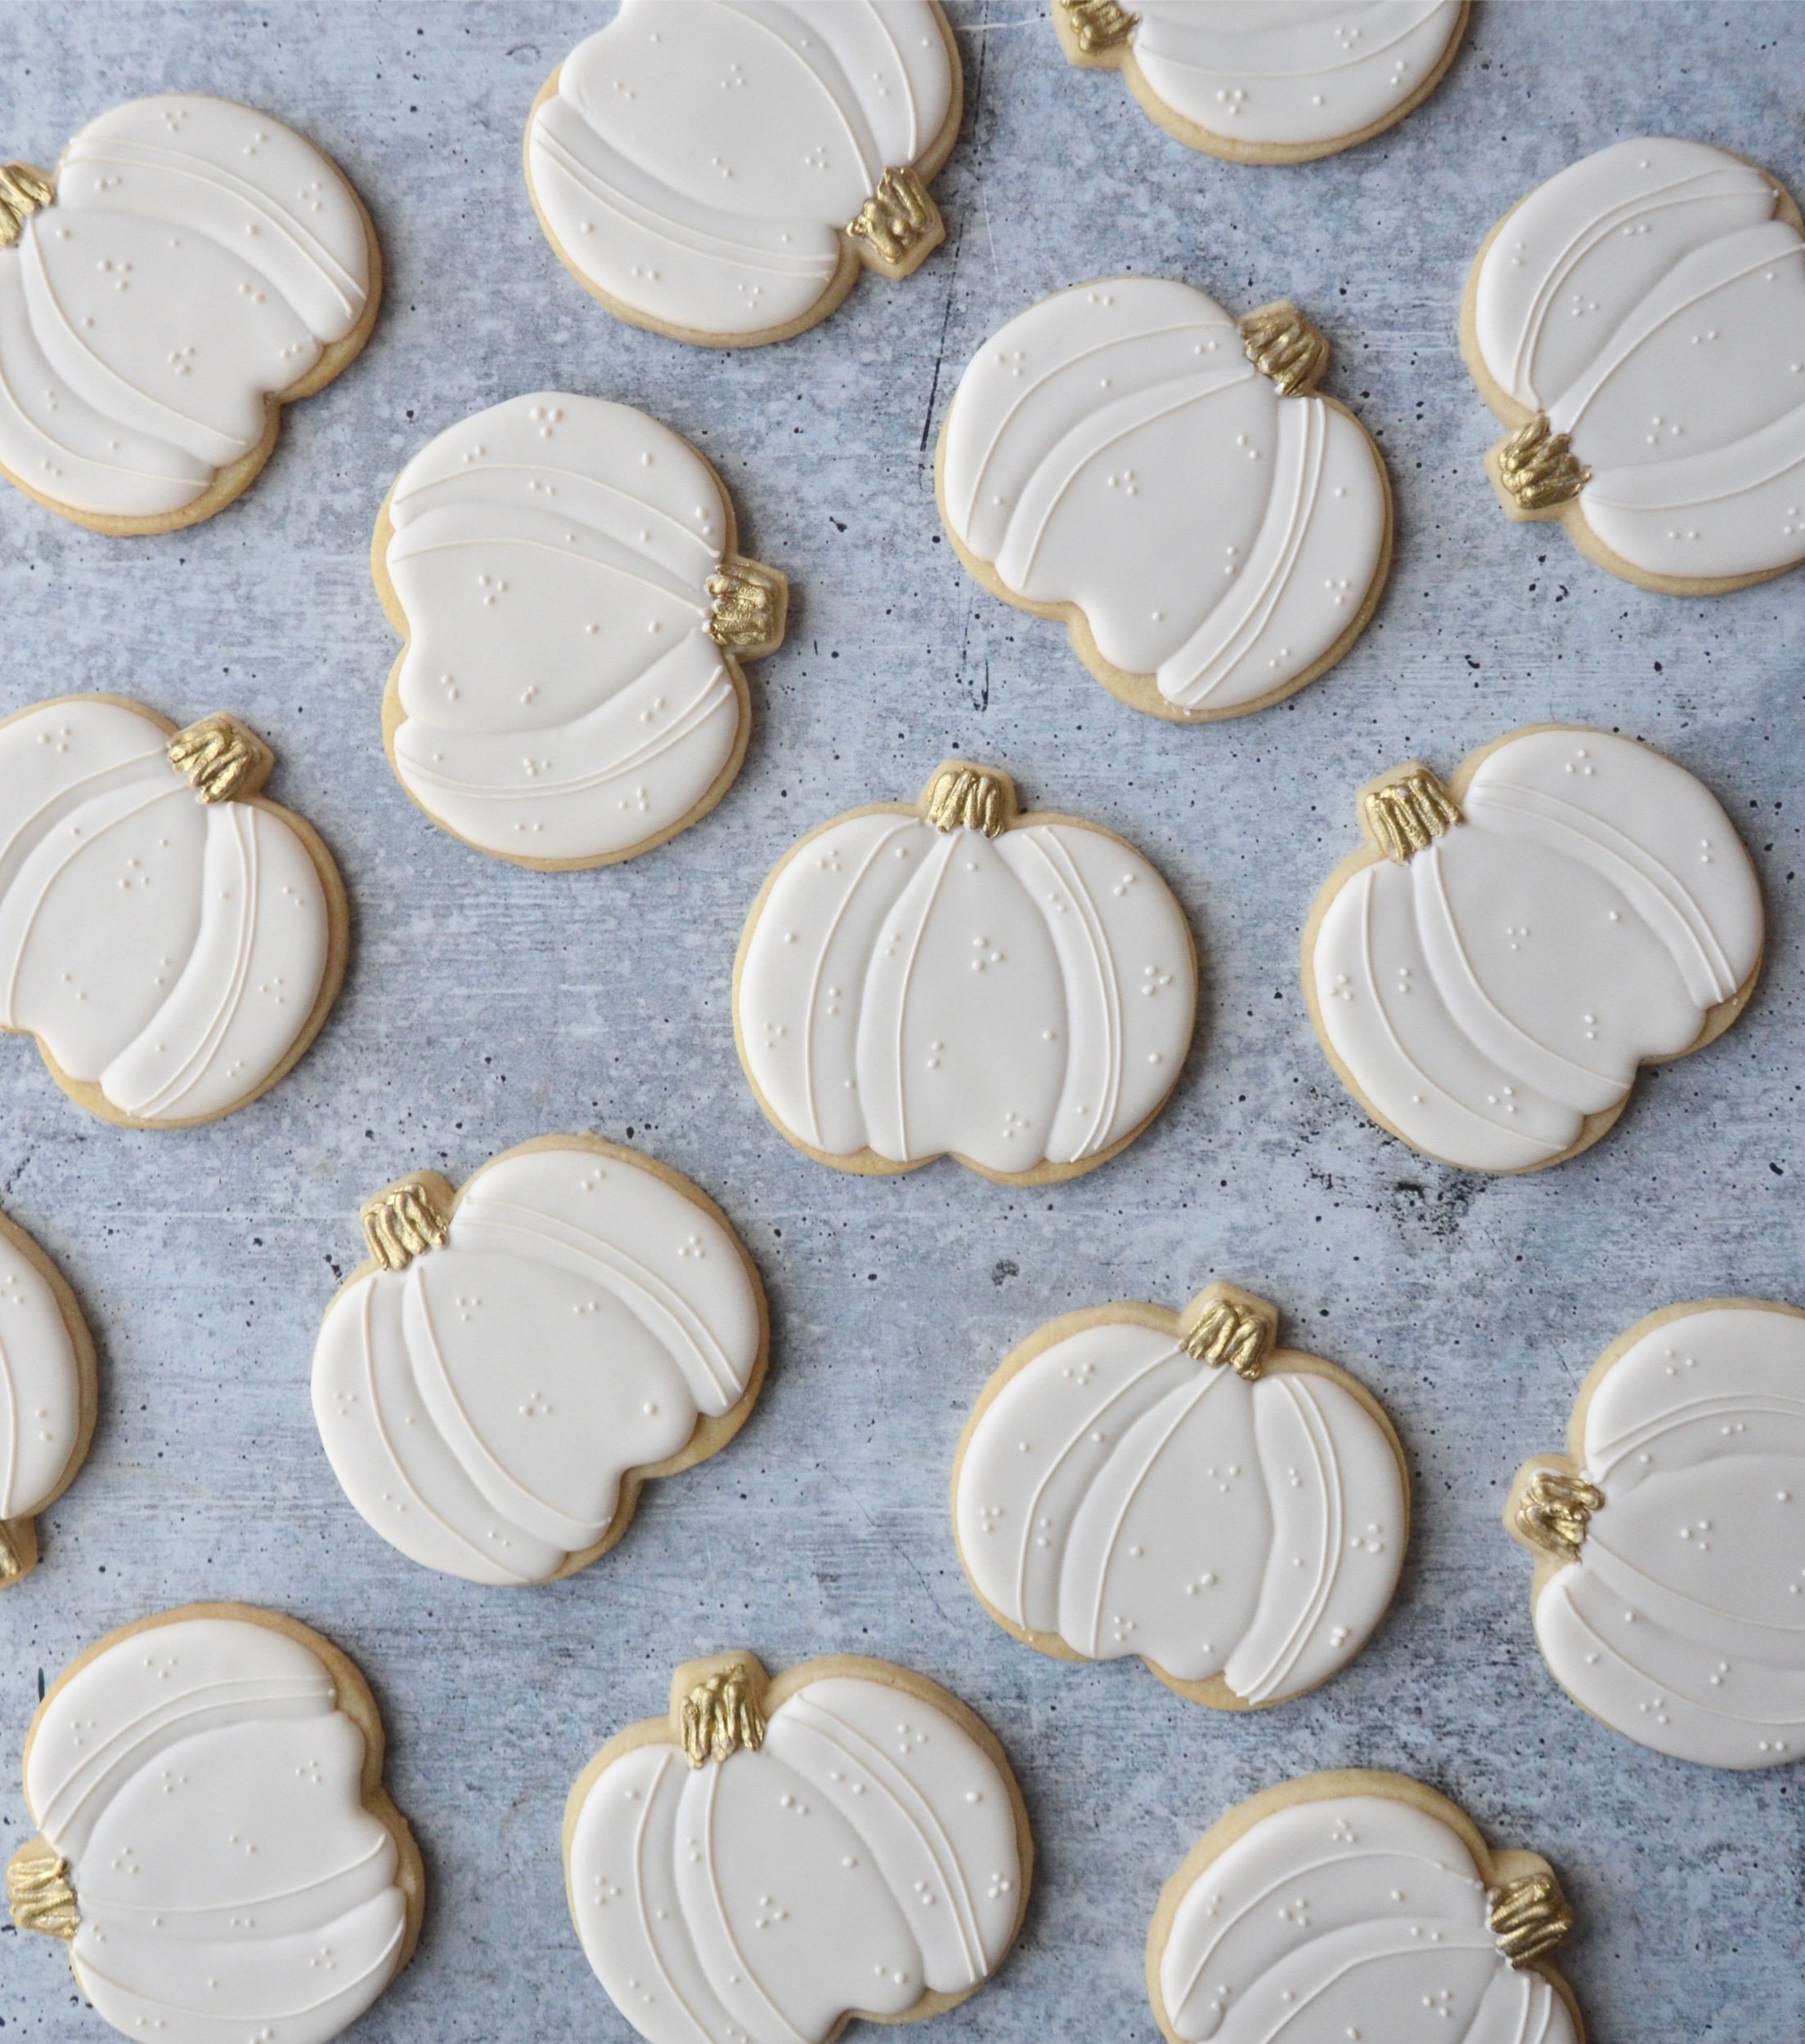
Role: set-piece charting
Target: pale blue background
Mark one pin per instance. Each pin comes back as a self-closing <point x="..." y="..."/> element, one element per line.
<point x="485" y="1005"/>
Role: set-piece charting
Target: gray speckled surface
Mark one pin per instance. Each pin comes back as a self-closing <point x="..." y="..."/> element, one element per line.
<point x="485" y="1005"/>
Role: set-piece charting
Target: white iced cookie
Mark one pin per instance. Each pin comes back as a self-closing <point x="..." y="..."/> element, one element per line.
<point x="190" y="267"/>
<point x="214" y="1841"/>
<point x="1127" y="457"/>
<point x="1488" y="973"/>
<point x="495" y="1384"/>
<point x="1137" y="1481"/>
<point x="171" y="939"/>
<point x="951" y="976"/>
<point x="1268" y="81"/>
<point x="1358" y="1904"/>
<point x="1639" y="322"/>
<point x="1668" y="1541"/>
<point x="48" y="1393"/>
<point x="775" y="1856"/>
<point x="721" y="173"/>
<point x="564" y="571"/>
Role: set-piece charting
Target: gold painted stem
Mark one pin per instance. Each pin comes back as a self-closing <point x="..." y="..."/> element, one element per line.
<point x="971" y="798"/>
<point x="1098" y="25"/>
<point x="1538" y="467"/>
<point x="1529" y="1917"/>
<point x="1555" y="1510"/>
<point x="24" y="190"/>
<point x="1224" y="1326"/>
<point x="721" y="1715"/>
<point x="225" y="760"/>
<point x="1283" y="344"/>
<point x="404" y="1221"/>
<point x="1409" y="813"/>
<point x="12" y="1562"/>
<point x="899" y="222"/>
<point x="37" y="1890"/>
<point x="750" y="606"/>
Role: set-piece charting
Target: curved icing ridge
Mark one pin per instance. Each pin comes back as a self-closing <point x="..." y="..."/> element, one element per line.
<point x="1489" y="976"/>
<point x="950" y="977"/>
<point x="173" y="947"/>
<point x="48" y="1393"/>
<point x="1260" y="83"/>
<point x="199" y="264"/>
<point x="207" y="1787"/>
<point x="1670" y="1608"/>
<point x="565" y="573"/>
<point x="1136" y="1481"/>
<point x="1360" y="1904"/>
<point x="494" y="1387"/>
<point x="1085" y="441"/>
<point x="1655" y="270"/>
<point x="873" y="1824"/>
<point x="720" y="170"/>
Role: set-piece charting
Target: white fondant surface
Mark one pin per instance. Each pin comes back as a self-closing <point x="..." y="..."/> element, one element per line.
<point x="1133" y="1500"/>
<point x="1592" y="908"/>
<point x="700" y="158"/>
<point x="864" y="1856"/>
<point x="198" y="257"/>
<point x="1681" y="1623"/>
<point x="1012" y="1000"/>
<point x="562" y="696"/>
<point x="1112" y="447"/>
<point x="1358" y="1916"/>
<point x="206" y="1790"/>
<point x="40" y="1387"/>
<point x="1650" y="302"/>
<point x="482" y="1406"/>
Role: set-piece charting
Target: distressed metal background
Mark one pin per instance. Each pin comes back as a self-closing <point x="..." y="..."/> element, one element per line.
<point x="485" y="1005"/>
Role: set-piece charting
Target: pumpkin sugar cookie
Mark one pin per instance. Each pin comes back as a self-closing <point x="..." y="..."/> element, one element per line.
<point x="49" y="1394"/>
<point x="212" y="1825"/>
<point x="495" y="1384"/>
<point x="565" y="574"/>
<point x="1638" y="323"/>
<point x="1260" y="83"/>
<point x="954" y="976"/>
<point x="190" y="267"/>
<point x="1132" y="1481"/>
<point x="1490" y="971"/>
<point x="780" y="1855"/>
<point x="723" y="174"/>
<point x="1692" y="1424"/>
<point x="172" y="938"/>
<point x="1397" y="1924"/>
<point x="1126" y="457"/>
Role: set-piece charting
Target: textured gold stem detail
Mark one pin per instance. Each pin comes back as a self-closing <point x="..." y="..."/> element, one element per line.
<point x="1529" y="1917"/>
<point x="1229" y="1332"/>
<point x="1283" y="344"/>
<point x="1407" y="815"/>
<point x="897" y="219"/>
<point x="751" y="604"/>
<point x="720" y="1716"/>
<point x="1539" y="468"/>
<point x="1098" y="25"/>
<point x="24" y="189"/>
<point x="37" y="1890"/>
<point x="12" y="1564"/>
<point x="403" y="1221"/>
<point x="976" y="797"/>
<point x="225" y="760"/>
<point x="1555" y="1510"/>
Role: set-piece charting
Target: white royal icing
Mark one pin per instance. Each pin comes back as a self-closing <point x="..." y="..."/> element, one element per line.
<point x="1682" y="1623"/>
<point x="197" y="258"/>
<point x="1015" y="1000"/>
<point x="206" y="1791"/>
<point x="701" y="159"/>
<point x="167" y="950"/>
<point x="1128" y="1498"/>
<point x="864" y="1857"/>
<point x="1648" y="300"/>
<point x="40" y="1388"/>
<point x="481" y="1407"/>
<point x="1291" y="74"/>
<point x="1114" y="448"/>
<point x="1591" y="910"/>
<point x="562" y="696"/>
<point x="1358" y="1916"/>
